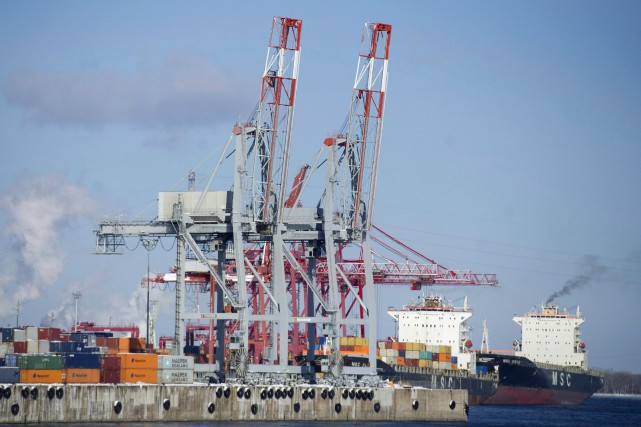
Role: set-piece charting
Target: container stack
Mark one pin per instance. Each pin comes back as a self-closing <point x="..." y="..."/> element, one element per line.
<point x="354" y="345"/>
<point x="48" y="355"/>
<point x="419" y="355"/>
<point x="175" y="369"/>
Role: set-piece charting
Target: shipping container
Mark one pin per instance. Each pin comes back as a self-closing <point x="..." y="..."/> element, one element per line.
<point x="110" y="361"/>
<point x="39" y="362"/>
<point x="88" y="339"/>
<point x="32" y="333"/>
<point x="136" y="345"/>
<point x="9" y="375"/>
<point x="81" y="376"/>
<point x="43" y="347"/>
<point x="72" y="347"/>
<point x="123" y="345"/>
<point x="7" y="334"/>
<point x="82" y="360"/>
<point x="138" y="361"/>
<point x="6" y="348"/>
<point x="175" y="362"/>
<point x="55" y="346"/>
<point x="11" y="360"/>
<point x="110" y="376"/>
<point x="32" y="347"/>
<point x="19" y="335"/>
<point x="175" y="376"/>
<point x="135" y="375"/>
<point x="47" y="376"/>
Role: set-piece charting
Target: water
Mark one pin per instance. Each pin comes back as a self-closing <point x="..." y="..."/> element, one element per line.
<point x="599" y="410"/>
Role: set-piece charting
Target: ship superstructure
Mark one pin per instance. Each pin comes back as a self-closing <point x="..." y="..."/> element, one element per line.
<point x="434" y="323"/>
<point x="548" y="336"/>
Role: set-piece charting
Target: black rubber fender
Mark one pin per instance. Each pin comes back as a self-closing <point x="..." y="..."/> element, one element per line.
<point x="248" y="394"/>
<point x="166" y="404"/>
<point x="359" y="394"/>
<point x="312" y="393"/>
<point x="324" y="394"/>
<point x="117" y="407"/>
<point x="270" y="393"/>
<point x="51" y="392"/>
<point x="60" y="392"/>
<point x="305" y="395"/>
<point x="377" y="407"/>
<point x="254" y="409"/>
<point x="371" y="395"/>
<point x="277" y="394"/>
<point x="1" y="392"/>
<point x="331" y="394"/>
<point x="297" y="407"/>
<point x="415" y="405"/>
<point x="263" y="395"/>
<point x="239" y="392"/>
<point x="34" y="393"/>
<point x="227" y="393"/>
<point x="467" y="408"/>
<point x="337" y="408"/>
<point x="352" y="394"/>
<point x="15" y="409"/>
<point x="7" y="393"/>
<point x="219" y="392"/>
<point x="345" y="394"/>
<point x="211" y="407"/>
<point x="452" y="405"/>
<point x="290" y="392"/>
<point x="25" y="392"/>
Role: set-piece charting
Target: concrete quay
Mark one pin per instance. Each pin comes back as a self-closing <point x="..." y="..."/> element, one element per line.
<point x="112" y="403"/>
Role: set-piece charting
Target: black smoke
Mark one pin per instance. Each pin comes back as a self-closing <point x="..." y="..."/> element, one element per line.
<point x="594" y="269"/>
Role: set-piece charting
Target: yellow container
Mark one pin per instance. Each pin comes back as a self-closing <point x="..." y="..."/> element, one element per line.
<point x="133" y="375"/>
<point x="351" y="341"/>
<point x="138" y="361"/>
<point x="81" y="376"/>
<point x="47" y="376"/>
<point x="123" y="345"/>
<point x="422" y="363"/>
<point x="343" y="341"/>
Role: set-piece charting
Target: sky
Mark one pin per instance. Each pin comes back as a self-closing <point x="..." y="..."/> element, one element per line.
<point x="511" y="145"/>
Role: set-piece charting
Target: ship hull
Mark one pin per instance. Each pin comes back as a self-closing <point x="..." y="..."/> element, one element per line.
<point x="522" y="382"/>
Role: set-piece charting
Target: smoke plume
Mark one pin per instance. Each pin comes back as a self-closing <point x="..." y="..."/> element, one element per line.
<point x="593" y="271"/>
<point x="35" y="214"/>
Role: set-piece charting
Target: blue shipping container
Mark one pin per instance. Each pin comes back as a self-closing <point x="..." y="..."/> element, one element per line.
<point x="55" y="347"/>
<point x="72" y="347"/>
<point x="9" y="375"/>
<point x="7" y="334"/>
<point x="11" y="360"/>
<point x="91" y="350"/>
<point x="82" y="360"/>
<point x="481" y="369"/>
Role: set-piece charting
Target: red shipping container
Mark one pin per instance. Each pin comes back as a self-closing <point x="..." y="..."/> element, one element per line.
<point x="65" y="337"/>
<point x="110" y="376"/>
<point x="43" y="333"/>
<point x="111" y="362"/>
<point x="401" y="346"/>
<point x="20" y="347"/>
<point x="54" y="334"/>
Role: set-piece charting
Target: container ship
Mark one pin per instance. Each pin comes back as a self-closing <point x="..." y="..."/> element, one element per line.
<point x="433" y="350"/>
<point x="549" y="365"/>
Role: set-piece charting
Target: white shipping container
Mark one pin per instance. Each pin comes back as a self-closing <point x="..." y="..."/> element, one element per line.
<point x="43" y="346"/>
<point x="32" y="346"/>
<point x="175" y="362"/>
<point x="175" y="376"/>
<point x="19" y="335"/>
<point x="6" y="348"/>
<point x="32" y="333"/>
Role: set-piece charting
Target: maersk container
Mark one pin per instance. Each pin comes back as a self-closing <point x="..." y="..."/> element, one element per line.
<point x="175" y="362"/>
<point x="175" y="376"/>
<point x="82" y="361"/>
<point x="39" y="362"/>
<point x="9" y="375"/>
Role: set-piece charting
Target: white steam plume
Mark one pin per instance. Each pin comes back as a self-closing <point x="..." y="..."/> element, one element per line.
<point x="36" y="213"/>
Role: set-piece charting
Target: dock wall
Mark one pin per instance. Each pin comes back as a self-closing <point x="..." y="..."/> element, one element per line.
<point x="114" y="403"/>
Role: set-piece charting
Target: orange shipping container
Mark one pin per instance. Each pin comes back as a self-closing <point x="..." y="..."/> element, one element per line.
<point x="395" y="345"/>
<point x="48" y="376"/>
<point x="442" y="357"/>
<point x="82" y="376"/>
<point x="149" y="376"/>
<point x="400" y="361"/>
<point x="138" y="361"/>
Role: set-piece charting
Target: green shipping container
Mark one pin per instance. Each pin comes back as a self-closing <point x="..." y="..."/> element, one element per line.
<point x="38" y="361"/>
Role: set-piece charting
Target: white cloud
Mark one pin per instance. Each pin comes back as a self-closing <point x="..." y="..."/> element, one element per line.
<point x="185" y="89"/>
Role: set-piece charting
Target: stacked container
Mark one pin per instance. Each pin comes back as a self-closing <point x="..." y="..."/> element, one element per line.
<point x="175" y="369"/>
<point x="138" y="367"/>
<point x="415" y="354"/>
<point x="36" y="368"/>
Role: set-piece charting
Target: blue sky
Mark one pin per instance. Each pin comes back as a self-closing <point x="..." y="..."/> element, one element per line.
<point x="511" y="145"/>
